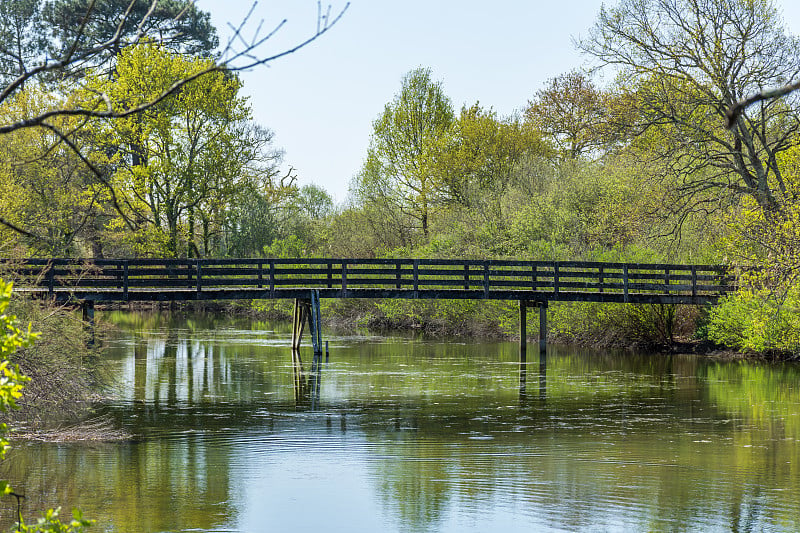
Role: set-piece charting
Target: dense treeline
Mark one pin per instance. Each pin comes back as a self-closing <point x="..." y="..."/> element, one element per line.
<point x="641" y="169"/>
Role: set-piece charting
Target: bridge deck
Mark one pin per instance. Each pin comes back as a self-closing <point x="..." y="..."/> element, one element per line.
<point x="228" y="279"/>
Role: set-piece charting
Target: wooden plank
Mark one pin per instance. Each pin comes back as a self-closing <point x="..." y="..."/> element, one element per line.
<point x="387" y="272"/>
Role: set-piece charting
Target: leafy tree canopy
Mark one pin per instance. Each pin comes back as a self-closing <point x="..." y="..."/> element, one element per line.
<point x="685" y="63"/>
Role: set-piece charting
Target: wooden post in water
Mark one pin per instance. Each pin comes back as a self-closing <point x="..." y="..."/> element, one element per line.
<point x="307" y="310"/>
<point x="543" y="351"/>
<point x="523" y="349"/>
<point x="299" y="323"/>
<point x="523" y="329"/>
<point x="542" y="329"/>
<point x="87" y="306"/>
<point x="315" y="322"/>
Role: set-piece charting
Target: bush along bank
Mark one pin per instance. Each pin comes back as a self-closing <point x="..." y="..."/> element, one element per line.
<point x="64" y="371"/>
<point x="587" y="324"/>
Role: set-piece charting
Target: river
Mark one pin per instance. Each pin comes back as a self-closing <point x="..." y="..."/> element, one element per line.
<point x="410" y="434"/>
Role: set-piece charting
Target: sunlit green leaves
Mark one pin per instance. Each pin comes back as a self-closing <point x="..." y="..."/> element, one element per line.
<point x="180" y="164"/>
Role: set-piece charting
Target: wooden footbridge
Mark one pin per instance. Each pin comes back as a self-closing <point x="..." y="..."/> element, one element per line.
<point x="532" y="283"/>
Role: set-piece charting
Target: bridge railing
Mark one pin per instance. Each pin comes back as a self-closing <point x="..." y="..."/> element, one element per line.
<point x="351" y="277"/>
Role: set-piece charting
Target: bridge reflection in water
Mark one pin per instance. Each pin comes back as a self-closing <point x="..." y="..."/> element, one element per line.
<point x="307" y="379"/>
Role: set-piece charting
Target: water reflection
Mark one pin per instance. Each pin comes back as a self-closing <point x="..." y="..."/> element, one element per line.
<point x="523" y="378"/>
<point x="235" y="434"/>
<point x="307" y="383"/>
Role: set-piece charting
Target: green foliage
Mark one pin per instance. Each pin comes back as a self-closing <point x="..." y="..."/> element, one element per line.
<point x="445" y="317"/>
<point x="475" y="159"/>
<point x="51" y="523"/>
<point x="395" y="169"/>
<point x="183" y="163"/>
<point x="764" y="315"/>
<point x="759" y="321"/>
<point x="314" y="202"/>
<point x="44" y="186"/>
<point x="12" y="338"/>
<point x="291" y="247"/>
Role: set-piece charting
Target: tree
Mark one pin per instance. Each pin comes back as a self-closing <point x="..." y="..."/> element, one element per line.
<point x="315" y="202"/>
<point x="685" y="63"/>
<point x="22" y="37"/>
<point x="240" y="52"/>
<point x="475" y="161"/>
<point x="573" y="113"/>
<point x="256" y="217"/>
<point x="178" y="25"/>
<point x="45" y="186"/>
<point x="402" y="136"/>
<point x="180" y="161"/>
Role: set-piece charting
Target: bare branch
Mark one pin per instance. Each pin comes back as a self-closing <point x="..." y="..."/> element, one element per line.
<point x="229" y="61"/>
<point x="736" y="110"/>
<point x="21" y="231"/>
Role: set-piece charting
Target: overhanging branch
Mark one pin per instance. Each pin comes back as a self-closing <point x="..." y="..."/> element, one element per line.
<point x="736" y="110"/>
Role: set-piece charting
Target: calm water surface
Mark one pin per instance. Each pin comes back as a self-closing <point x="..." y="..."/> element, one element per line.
<point x="407" y="435"/>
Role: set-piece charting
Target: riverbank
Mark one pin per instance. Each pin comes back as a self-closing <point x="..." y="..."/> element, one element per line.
<point x="92" y="430"/>
<point x="64" y="371"/>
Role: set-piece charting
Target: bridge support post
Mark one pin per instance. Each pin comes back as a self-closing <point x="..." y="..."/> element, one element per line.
<point x="307" y="310"/>
<point x="87" y="306"/>
<point x="523" y="329"/>
<point x="523" y="349"/>
<point x="542" y="329"/>
<point x="543" y="351"/>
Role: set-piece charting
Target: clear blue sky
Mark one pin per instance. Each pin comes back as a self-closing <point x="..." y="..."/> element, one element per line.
<point x="321" y="101"/>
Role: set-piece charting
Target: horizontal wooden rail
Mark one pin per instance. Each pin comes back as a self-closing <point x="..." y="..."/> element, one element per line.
<point x="210" y="279"/>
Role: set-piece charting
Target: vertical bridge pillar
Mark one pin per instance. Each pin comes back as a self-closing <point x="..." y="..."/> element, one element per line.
<point x="543" y="350"/>
<point x="523" y="348"/>
<point x="542" y="329"/>
<point x="87" y="306"/>
<point x="307" y="310"/>
<point x="523" y="328"/>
